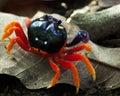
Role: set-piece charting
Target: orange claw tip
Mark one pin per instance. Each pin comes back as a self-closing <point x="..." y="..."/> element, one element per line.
<point x="49" y="86"/>
<point x="93" y="73"/>
<point x="94" y="77"/>
<point x="88" y="47"/>
<point x="77" y="90"/>
<point x="10" y="55"/>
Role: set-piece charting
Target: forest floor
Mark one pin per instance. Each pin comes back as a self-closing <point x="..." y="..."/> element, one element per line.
<point x="11" y="86"/>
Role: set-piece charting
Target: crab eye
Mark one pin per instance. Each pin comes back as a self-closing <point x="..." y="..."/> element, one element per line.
<point x="60" y="27"/>
<point x="82" y="36"/>
<point x="41" y="19"/>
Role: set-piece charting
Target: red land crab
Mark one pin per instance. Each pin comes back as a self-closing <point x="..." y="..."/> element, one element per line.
<point x="47" y="37"/>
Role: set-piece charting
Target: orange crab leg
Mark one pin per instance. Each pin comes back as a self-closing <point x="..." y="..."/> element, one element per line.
<point x="69" y="65"/>
<point x="14" y="27"/>
<point x="57" y="75"/>
<point x="20" y="38"/>
<point x="75" y="57"/>
<point x="80" y="47"/>
<point x="22" y="44"/>
<point x="72" y="57"/>
<point x="19" y="41"/>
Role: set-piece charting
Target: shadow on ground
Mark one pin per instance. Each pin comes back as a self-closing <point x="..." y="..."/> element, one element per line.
<point x="11" y="86"/>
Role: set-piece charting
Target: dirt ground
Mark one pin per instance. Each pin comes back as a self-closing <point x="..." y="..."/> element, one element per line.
<point x="11" y="86"/>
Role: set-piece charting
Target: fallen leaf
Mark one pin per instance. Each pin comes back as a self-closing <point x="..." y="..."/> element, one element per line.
<point x="35" y="72"/>
<point x="108" y="3"/>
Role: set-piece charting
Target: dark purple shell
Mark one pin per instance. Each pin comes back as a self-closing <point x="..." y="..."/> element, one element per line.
<point x="47" y="34"/>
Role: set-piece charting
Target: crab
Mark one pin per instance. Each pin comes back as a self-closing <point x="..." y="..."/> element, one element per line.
<point x="48" y="37"/>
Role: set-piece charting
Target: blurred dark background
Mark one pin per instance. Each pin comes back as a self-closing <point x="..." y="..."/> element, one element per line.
<point x="30" y="7"/>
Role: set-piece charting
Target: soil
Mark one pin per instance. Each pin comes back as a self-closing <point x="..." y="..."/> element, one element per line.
<point x="12" y="86"/>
